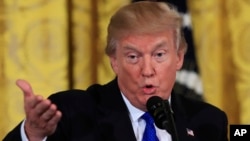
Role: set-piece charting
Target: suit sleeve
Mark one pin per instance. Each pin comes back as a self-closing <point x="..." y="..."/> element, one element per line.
<point x="14" y="135"/>
<point x="225" y="127"/>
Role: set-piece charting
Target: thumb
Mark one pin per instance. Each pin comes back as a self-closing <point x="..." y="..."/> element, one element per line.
<point x="25" y="87"/>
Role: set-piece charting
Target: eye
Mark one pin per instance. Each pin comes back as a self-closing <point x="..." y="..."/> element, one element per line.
<point x="132" y="58"/>
<point x="160" y="56"/>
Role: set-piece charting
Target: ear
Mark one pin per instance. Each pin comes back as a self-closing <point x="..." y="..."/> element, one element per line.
<point x="180" y="59"/>
<point x="114" y="63"/>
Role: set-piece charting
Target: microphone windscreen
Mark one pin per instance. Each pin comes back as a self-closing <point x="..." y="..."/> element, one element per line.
<point x="162" y="114"/>
<point x="156" y="107"/>
<point x="154" y="102"/>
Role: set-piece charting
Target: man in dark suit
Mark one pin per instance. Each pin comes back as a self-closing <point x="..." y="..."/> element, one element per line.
<point x="146" y="48"/>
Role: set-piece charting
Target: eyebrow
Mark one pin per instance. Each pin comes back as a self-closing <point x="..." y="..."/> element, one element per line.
<point x="161" y="44"/>
<point x="157" y="46"/>
<point x="129" y="47"/>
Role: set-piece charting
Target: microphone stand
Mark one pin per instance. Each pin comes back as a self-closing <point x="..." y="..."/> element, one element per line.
<point x="170" y="125"/>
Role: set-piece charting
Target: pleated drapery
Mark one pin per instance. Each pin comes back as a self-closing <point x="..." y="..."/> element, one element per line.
<point x="222" y="35"/>
<point x="53" y="44"/>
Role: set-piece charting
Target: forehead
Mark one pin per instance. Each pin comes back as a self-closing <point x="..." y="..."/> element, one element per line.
<point x="158" y="39"/>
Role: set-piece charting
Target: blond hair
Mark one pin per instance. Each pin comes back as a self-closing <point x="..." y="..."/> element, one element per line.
<point x="141" y="18"/>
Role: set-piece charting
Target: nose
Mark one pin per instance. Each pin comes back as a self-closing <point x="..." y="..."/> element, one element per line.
<point x="148" y="69"/>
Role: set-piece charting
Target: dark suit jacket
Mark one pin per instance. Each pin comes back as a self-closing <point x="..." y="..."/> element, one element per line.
<point x="99" y="113"/>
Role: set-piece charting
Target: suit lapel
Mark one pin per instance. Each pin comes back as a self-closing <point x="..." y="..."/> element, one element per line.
<point x="119" y="126"/>
<point x="115" y="124"/>
<point x="181" y="119"/>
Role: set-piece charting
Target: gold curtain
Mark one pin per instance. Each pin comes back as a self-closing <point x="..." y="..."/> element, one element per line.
<point x="55" y="45"/>
<point x="90" y="20"/>
<point x="221" y="34"/>
<point x="58" y="44"/>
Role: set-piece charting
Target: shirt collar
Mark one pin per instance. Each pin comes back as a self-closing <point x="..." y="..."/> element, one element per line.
<point x="134" y="112"/>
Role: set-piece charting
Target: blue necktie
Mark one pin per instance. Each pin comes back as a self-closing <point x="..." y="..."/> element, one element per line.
<point x="149" y="132"/>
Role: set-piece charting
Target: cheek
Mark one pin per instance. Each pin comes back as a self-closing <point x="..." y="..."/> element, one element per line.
<point x="129" y="70"/>
<point x="167" y="79"/>
<point x="167" y="72"/>
<point x="123" y="68"/>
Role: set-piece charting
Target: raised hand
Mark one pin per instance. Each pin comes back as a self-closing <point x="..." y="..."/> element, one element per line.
<point x="42" y="116"/>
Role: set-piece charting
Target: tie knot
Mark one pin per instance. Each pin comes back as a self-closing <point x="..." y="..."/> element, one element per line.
<point x="148" y="118"/>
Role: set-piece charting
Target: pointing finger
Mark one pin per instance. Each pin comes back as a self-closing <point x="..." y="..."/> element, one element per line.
<point x="25" y="87"/>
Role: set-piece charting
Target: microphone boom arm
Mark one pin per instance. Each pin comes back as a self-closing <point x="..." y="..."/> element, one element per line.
<point x="170" y="127"/>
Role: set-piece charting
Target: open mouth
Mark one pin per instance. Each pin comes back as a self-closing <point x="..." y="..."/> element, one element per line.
<point x="149" y="86"/>
<point x="149" y="89"/>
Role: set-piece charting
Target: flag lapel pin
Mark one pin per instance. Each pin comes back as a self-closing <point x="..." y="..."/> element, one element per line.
<point x="190" y="132"/>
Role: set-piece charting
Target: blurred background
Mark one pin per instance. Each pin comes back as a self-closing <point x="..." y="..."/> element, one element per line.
<point x="59" y="44"/>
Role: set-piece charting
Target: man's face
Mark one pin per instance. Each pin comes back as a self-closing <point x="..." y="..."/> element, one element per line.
<point x="146" y="66"/>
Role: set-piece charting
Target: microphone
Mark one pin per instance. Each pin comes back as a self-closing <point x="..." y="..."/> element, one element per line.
<point x="162" y="114"/>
